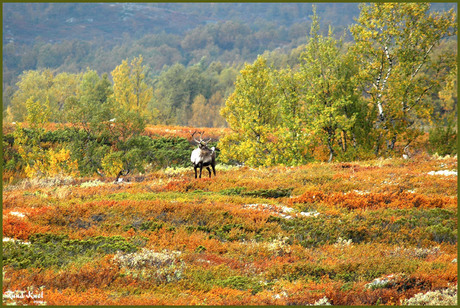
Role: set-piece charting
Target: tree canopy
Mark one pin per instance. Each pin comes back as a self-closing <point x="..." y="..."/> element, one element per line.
<point x="331" y="98"/>
<point x="346" y="98"/>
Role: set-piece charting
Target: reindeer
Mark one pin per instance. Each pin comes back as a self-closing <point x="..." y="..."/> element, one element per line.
<point x="203" y="156"/>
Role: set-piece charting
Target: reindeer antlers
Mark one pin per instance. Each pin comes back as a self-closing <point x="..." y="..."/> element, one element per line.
<point x="194" y="137"/>
<point x="201" y="138"/>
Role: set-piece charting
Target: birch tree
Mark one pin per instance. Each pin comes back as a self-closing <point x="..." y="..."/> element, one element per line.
<point x="251" y="112"/>
<point x="329" y="90"/>
<point x="394" y="43"/>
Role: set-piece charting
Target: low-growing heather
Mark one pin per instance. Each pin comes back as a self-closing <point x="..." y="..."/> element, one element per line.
<point x="362" y="233"/>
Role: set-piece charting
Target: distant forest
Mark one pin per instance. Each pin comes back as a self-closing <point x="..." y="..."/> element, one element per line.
<point x="69" y="37"/>
<point x="201" y="46"/>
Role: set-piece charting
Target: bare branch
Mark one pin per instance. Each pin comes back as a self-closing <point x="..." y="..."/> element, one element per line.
<point x="421" y="64"/>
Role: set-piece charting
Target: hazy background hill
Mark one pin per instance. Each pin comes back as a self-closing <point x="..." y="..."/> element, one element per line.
<point x="71" y="37"/>
<point x="54" y="22"/>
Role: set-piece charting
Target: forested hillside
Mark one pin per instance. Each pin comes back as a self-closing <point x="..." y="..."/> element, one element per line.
<point x="69" y="37"/>
<point x="291" y="87"/>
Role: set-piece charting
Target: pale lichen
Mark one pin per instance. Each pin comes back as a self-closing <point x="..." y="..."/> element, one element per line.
<point x="444" y="297"/>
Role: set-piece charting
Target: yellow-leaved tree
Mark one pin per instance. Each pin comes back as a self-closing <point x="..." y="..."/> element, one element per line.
<point x="130" y="90"/>
<point x="38" y="158"/>
<point x="252" y="112"/>
<point x="45" y="87"/>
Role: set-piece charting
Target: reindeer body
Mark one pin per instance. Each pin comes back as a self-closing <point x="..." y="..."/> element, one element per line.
<point x="203" y="157"/>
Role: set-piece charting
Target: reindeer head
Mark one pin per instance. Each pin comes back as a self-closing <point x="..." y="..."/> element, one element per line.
<point x="201" y="143"/>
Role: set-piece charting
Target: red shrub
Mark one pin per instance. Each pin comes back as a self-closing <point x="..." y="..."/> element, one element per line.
<point x="357" y="200"/>
<point x="20" y="228"/>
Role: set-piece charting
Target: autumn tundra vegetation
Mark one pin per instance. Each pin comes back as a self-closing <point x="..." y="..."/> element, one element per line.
<point x="336" y="179"/>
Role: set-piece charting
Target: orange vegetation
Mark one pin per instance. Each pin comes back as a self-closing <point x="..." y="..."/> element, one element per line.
<point x="361" y="233"/>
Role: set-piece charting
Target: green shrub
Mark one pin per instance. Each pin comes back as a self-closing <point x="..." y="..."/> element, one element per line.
<point x="47" y="250"/>
<point x="240" y="283"/>
<point x="263" y="193"/>
<point x="233" y="191"/>
<point x="443" y="139"/>
<point x="442" y="233"/>
<point x="170" y="152"/>
<point x="151" y="225"/>
<point x="269" y="193"/>
<point x="200" y="249"/>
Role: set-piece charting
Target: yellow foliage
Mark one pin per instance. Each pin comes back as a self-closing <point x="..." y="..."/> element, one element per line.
<point x="111" y="164"/>
<point x="60" y="163"/>
<point x="40" y="161"/>
<point x="50" y="163"/>
<point x="130" y="90"/>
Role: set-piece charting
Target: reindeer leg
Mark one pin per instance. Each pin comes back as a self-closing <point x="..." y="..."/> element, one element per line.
<point x="214" y="168"/>
<point x="209" y="170"/>
<point x="195" y="168"/>
<point x="201" y="168"/>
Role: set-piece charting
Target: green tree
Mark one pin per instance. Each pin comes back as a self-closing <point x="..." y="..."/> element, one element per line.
<point x="394" y="47"/>
<point x="329" y="91"/>
<point x="129" y="108"/>
<point x="252" y="113"/>
<point x="45" y="88"/>
<point x="200" y="112"/>
<point x="176" y="89"/>
<point x="443" y="133"/>
<point x="35" y="85"/>
<point x="292" y="137"/>
<point x="91" y="108"/>
<point x="64" y="88"/>
<point x="90" y="112"/>
<point x="170" y="93"/>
